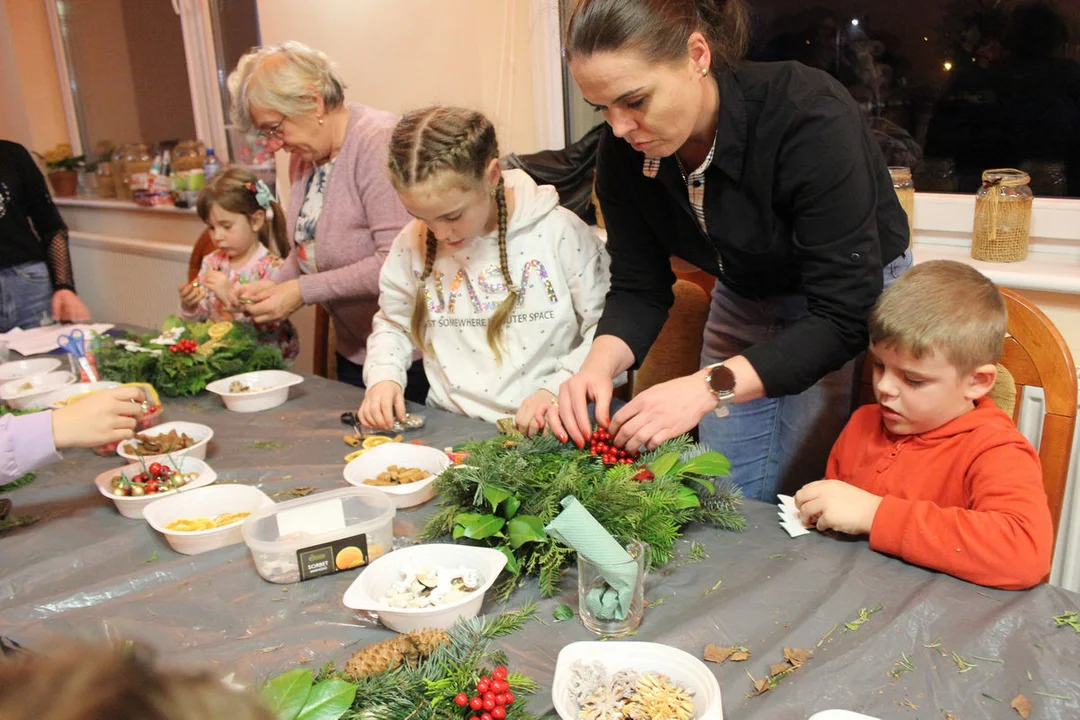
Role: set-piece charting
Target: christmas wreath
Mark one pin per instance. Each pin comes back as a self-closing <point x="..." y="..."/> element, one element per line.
<point x="185" y="356"/>
<point x="510" y="487"/>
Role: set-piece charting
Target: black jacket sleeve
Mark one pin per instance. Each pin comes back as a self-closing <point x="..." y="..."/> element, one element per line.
<point x="48" y="224"/>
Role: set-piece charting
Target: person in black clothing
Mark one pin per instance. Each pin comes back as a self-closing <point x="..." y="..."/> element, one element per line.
<point x="35" y="267"/>
<point x="763" y="174"/>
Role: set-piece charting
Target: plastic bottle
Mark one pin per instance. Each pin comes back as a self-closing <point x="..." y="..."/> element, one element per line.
<point x="211" y="166"/>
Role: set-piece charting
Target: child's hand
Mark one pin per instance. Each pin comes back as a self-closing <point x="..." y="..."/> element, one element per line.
<point x="218" y="283"/>
<point x="836" y="505"/>
<point x="383" y="401"/>
<point x="190" y="296"/>
<point x="531" y="416"/>
<point x="103" y="417"/>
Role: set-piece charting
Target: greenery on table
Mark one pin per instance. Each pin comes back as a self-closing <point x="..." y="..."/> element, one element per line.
<point x="508" y="489"/>
<point x="17" y="482"/>
<point x="178" y="374"/>
<point x="423" y="691"/>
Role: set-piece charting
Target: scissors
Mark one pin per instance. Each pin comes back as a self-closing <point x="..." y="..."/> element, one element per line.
<point x="75" y="343"/>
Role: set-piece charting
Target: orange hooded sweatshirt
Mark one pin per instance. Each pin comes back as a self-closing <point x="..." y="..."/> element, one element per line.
<point x="965" y="498"/>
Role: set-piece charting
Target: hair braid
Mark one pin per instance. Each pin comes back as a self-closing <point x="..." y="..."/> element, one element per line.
<point x="506" y="307"/>
<point x="420" y="310"/>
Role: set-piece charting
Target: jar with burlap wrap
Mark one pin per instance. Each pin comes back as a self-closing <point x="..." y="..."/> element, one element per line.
<point x="905" y="192"/>
<point x="1002" y="216"/>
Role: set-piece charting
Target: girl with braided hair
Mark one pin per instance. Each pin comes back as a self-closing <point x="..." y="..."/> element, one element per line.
<point x="498" y="285"/>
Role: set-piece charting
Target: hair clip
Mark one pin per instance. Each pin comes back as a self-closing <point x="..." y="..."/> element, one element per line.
<point x="262" y="193"/>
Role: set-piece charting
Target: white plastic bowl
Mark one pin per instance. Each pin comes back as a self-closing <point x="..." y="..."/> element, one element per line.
<point x="839" y="715"/>
<point x="405" y="455"/>
<point x="201" y="433"/>
<point x="645" y="657"/>
<point x="269" y="388"/>
<point x="132" y="507"/>
<point x="58" y="398"/>
<point x="373" y="583"/>
<point x="30" y="366"/>
<point x="208" y="502"/>
<point x="32" y="398"/>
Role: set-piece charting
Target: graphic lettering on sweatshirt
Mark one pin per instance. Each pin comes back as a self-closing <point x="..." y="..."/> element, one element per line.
<point x="490" y="281"/>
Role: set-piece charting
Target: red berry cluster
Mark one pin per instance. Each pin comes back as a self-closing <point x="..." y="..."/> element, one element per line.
<point x="186" y="346"/>
<point x="491" y="699"/>
<point x="600" y="444"/>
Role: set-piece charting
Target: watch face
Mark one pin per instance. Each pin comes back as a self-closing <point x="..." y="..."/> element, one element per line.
<point x="722" y="380"/>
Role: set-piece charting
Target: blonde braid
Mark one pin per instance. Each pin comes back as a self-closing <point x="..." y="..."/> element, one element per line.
<point x="420" y="310"/>
<point x="506" y="307"/>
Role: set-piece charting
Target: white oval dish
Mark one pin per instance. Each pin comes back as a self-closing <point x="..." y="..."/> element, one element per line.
<point x="58" y="398"/>
<point x="269" y="388"/>
<point x="645" y="657"/>
<point x="373" y="583"/>
<point x="132" y="507"/>
<point x="19" y="397"/>
<point x="29" y="366"/>
<point x="202" y="434"/>
<point x="205" y="502"/>
<point x="380" y="457"/>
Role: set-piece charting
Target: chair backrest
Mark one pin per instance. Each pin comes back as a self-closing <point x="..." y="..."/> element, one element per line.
<point x="1035" y="355"/>
<point x="203" y="247"/>
<point x="677" y="350"/>
<point x="320" y="350"/>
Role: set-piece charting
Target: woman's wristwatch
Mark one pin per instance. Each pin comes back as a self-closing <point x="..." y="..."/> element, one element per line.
<point x="721" y="382"/>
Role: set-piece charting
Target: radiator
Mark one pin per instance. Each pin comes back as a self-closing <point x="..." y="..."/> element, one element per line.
<point x="129" y="281"/>
<point x="1066" y="569"/>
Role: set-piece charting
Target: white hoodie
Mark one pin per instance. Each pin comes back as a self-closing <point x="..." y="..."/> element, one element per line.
<point x="561" y="269"/>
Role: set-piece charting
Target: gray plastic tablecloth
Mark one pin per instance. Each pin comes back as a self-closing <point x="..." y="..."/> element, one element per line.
<point x="85" y="571"/>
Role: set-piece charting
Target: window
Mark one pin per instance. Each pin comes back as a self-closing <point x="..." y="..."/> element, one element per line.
<point x="950" y="87"/>
<point x="151" y="71"/>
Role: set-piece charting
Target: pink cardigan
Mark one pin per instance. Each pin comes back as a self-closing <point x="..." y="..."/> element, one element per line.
<point x="361" y="216"/>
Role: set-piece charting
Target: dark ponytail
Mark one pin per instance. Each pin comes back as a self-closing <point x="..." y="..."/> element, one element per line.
<point x="658" y="29"/>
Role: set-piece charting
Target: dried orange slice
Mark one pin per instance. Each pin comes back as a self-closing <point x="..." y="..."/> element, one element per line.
<point x="219" y="330"/>
<point x="375" y="441"/>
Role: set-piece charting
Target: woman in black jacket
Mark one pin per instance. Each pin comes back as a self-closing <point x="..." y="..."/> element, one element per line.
<point x="763" y="174"/>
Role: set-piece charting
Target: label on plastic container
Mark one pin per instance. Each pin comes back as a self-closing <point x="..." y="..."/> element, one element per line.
<point x="334" y="557"/>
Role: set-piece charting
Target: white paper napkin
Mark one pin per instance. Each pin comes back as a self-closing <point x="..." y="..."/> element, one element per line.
<point x="43" y="339"/>
<point x="789" y="517"/>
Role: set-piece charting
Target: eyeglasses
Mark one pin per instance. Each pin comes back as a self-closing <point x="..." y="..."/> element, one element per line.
<point x="272" y="133"/>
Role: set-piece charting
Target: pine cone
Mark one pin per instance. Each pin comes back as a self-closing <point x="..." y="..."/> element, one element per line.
<point x="428" y="641"/>
<point x="376" y="658"/>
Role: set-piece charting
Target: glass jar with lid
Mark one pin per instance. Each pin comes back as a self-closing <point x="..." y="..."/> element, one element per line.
<point x="1002" y="216"/>
<point x="905" y="192"/>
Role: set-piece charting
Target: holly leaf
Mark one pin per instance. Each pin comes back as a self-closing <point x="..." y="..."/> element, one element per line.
<point x="708" y="464"/>
<point x="286" y="694"/>
<point x="328" y="700"/>
<point x="562" y="613"/>
<point x="510" y="506"/>
<point x="685" y="497"/>
<point x="512" y="565"/>
<point x="525" y="529"/>
<point x="664" y="463"/>
<point x="484" y="526"/>
<point x="495" y="495"/>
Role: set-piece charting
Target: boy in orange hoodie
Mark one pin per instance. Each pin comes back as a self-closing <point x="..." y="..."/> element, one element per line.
<point x="934" y="472"/>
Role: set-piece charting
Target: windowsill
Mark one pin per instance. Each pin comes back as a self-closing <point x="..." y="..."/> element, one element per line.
<point x="1049" y="271"/>
<point x="123" y="205"/>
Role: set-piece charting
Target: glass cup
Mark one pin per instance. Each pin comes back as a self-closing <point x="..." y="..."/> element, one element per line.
<point x="592" y="582"/>
<point x="5" y="354"/>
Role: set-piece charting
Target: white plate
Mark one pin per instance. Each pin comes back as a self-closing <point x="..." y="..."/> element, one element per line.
<point x="839" y="715"/>
<point x="366" y="591"/>
<point x="31" y="366"/>
<point x="13" y="393"/>
<point x="132" y="507"/>
<point x="645" y="657"/>
<point x="58" y="398"/>
<point x="406" y="455"/>
<point x="206" y="502"/>
<point x="269" y="388"/>
<point x="201" y="433"/>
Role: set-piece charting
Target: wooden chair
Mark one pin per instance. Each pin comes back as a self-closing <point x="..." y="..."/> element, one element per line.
<point x="677" y="350"/>
<point x="320" y="351"/>
<point x="1035" y="355"/>
<point x="203" y="247"/>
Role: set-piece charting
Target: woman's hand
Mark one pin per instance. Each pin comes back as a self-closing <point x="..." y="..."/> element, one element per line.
<point x="255" y="291"/>
<point x="569" y="416"/>
<point x="103" y="417"/>
<point x="69" y="307"/>
<point x="532" y="415"/>
<point x="383" y="402"/>
<point x="278" y="303"/>
<point x="662" y="412"/>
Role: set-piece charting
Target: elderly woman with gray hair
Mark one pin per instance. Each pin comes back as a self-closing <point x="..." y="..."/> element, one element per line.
<point x="342" y="215"/>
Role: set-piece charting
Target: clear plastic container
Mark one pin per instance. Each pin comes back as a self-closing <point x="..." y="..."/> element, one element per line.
<point x="320" y="534"/>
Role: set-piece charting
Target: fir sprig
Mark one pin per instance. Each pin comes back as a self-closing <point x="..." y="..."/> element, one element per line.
<point x="536" y="474"/>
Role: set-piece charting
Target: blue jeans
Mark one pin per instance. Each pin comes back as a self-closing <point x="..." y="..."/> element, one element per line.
<point x="777" y="444"/>
<point x="25" y="295"/>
